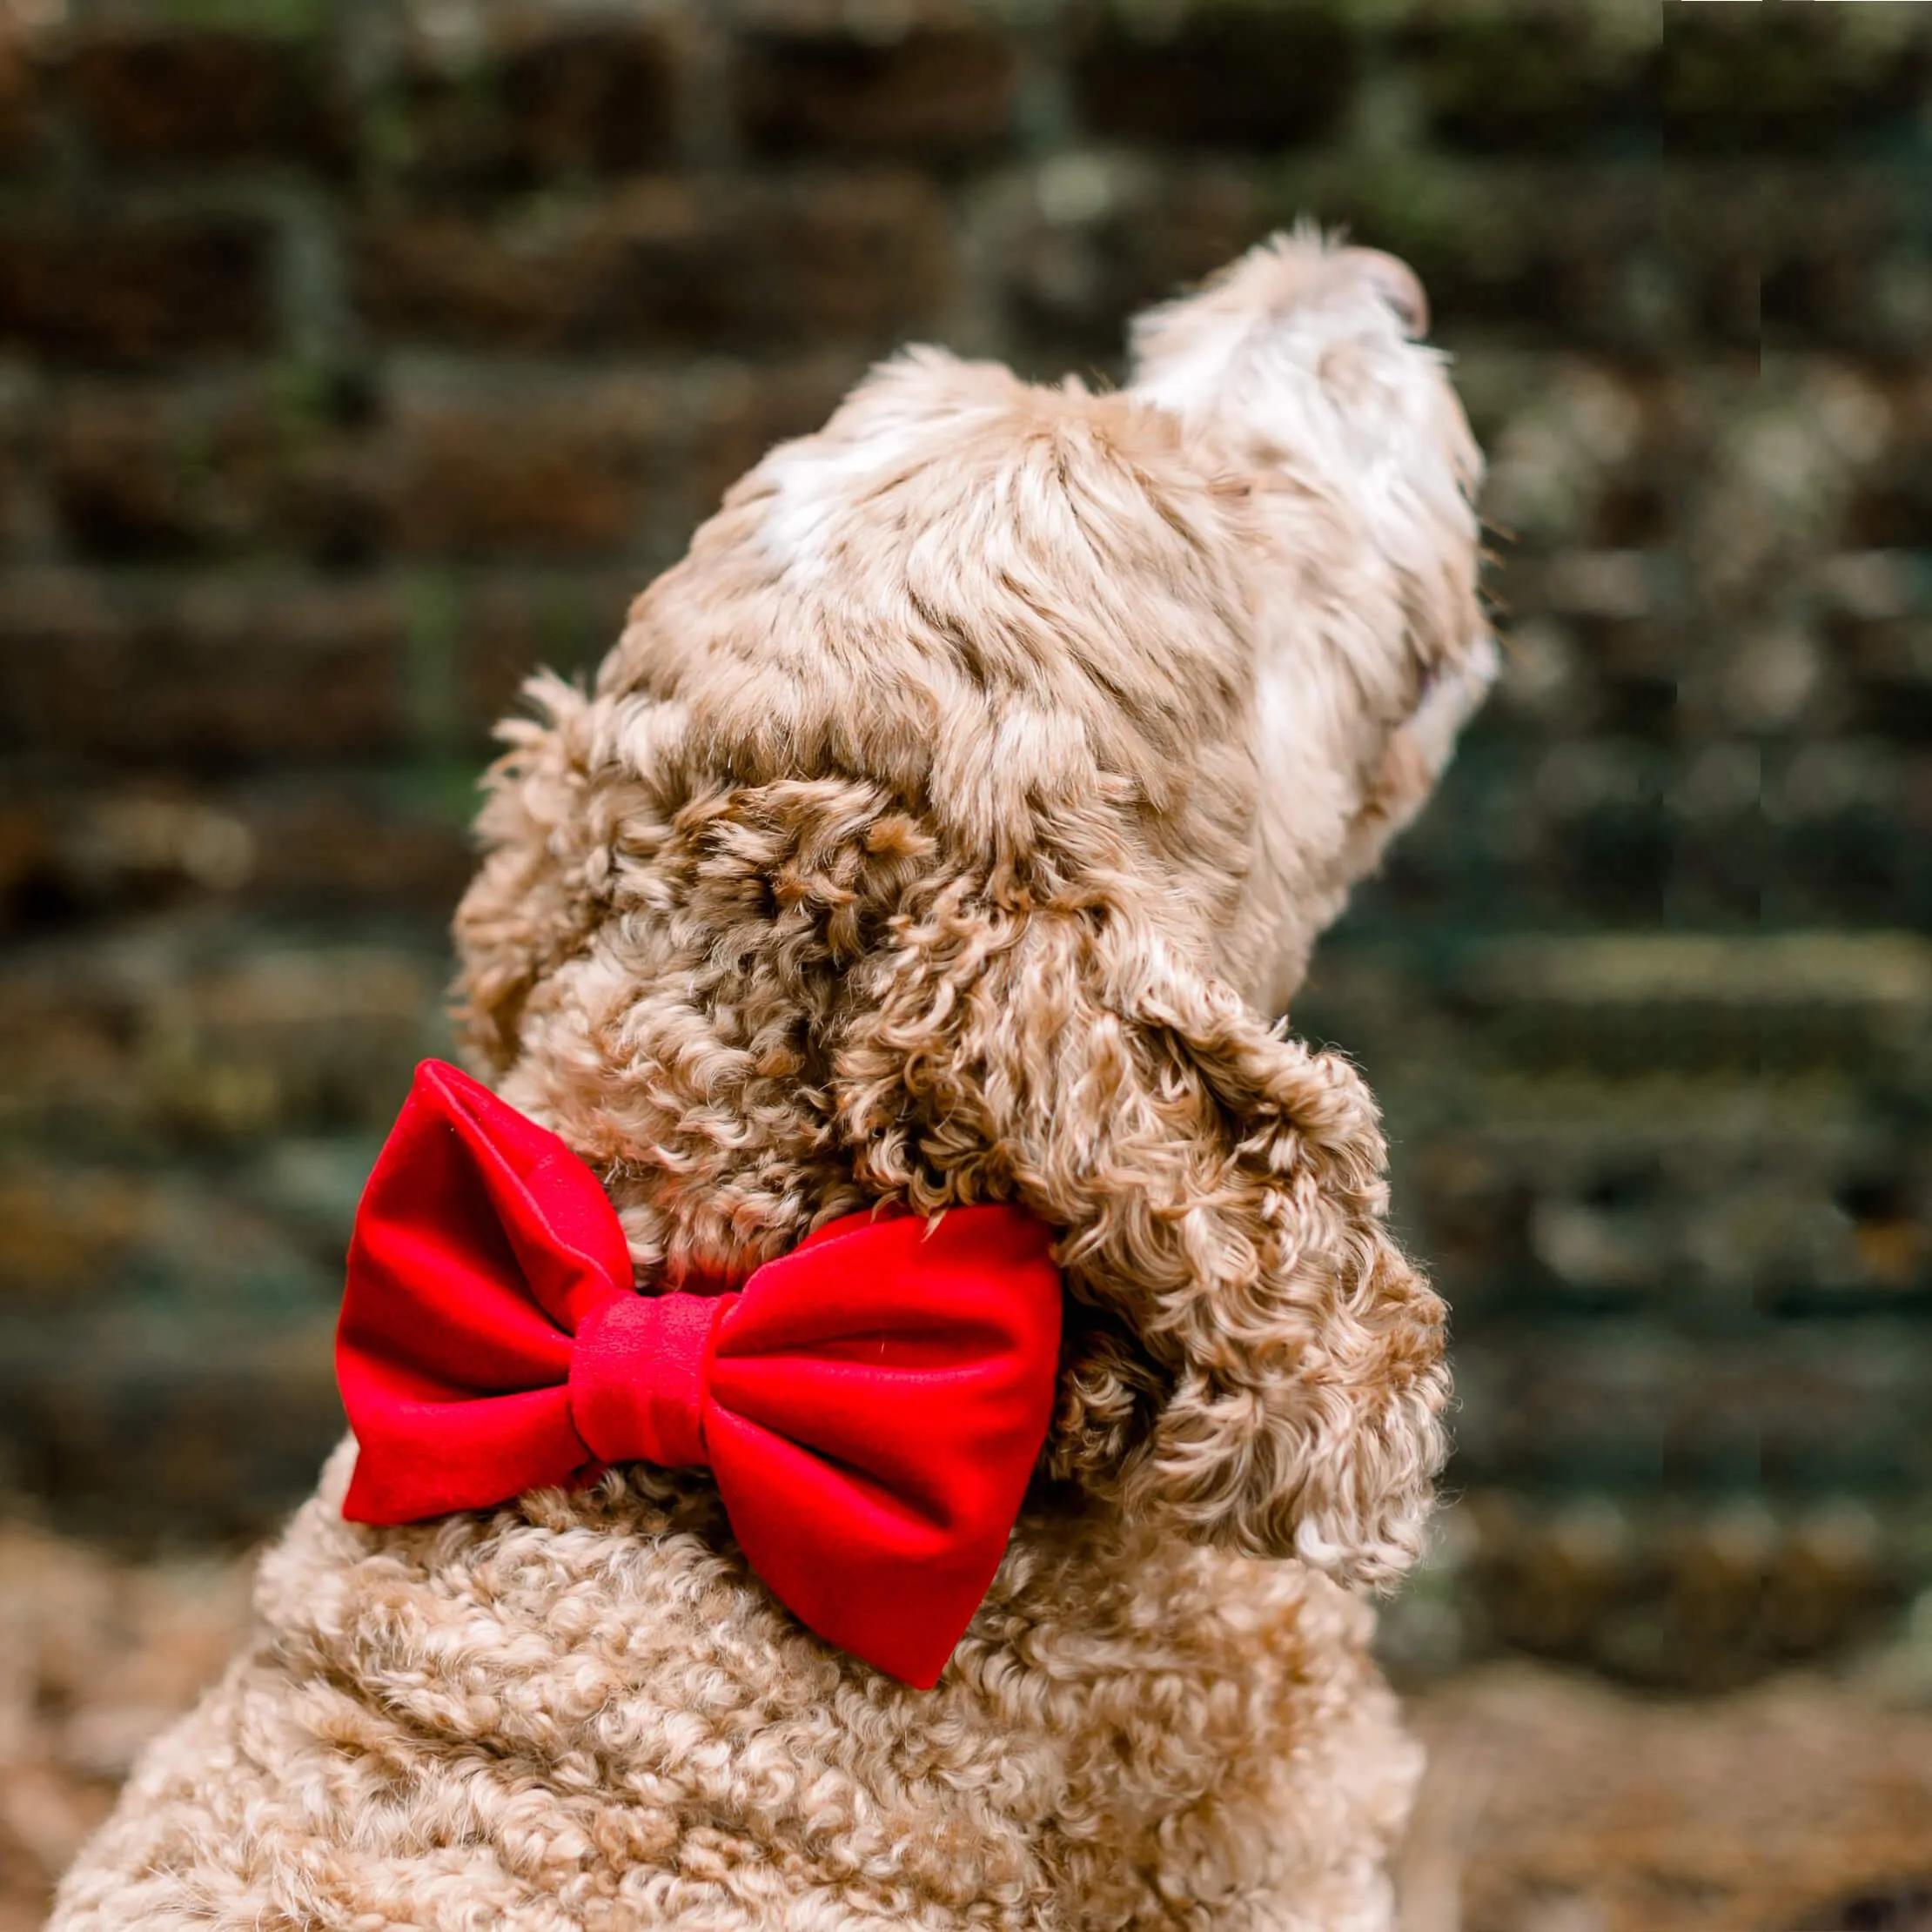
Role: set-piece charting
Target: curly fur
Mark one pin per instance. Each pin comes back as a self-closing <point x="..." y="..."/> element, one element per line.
<point x="940" y="830"/>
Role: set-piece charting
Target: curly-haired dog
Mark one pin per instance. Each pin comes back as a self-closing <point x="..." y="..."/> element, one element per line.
<point x="943" y="829"/>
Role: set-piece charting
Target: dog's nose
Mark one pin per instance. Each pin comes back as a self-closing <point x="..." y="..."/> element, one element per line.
<point x="1399" y="285"/>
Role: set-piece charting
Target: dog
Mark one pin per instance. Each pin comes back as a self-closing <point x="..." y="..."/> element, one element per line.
<point x="946" y="829"/>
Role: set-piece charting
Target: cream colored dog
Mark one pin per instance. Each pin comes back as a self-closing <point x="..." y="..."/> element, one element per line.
<point x="945" y="827"/>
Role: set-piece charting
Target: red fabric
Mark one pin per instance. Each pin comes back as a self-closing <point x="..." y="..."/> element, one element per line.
<point x="872" y="1404"/>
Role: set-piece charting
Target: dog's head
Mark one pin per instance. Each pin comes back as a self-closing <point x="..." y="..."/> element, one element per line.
<point x="1303" y="362"/>
<point x="946" y="825"/>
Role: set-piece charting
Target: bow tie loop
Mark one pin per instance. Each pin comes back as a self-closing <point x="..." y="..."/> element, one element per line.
<point x="871" y="1404"/>
<point x="637" y="1373"/>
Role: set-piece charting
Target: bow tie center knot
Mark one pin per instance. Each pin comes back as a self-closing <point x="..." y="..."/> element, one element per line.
<point x="638" y="1371"/>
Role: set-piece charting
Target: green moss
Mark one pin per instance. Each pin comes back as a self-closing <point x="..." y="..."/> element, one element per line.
<point x="290" y="19"/>
<point x="433" y="606"/>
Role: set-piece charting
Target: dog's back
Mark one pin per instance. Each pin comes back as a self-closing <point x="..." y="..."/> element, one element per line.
<point x="583" y="1712"/>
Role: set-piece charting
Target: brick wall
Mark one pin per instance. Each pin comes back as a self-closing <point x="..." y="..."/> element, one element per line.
<point x="355" y="359"/>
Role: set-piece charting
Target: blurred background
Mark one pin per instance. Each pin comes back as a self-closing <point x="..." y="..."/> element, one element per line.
<point x="356" y="357"/>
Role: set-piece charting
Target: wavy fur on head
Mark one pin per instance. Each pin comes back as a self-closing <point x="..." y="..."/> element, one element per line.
<point x="941" y="830"/>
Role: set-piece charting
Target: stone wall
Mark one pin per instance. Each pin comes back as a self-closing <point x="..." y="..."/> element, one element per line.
<point x="355" y="359"/>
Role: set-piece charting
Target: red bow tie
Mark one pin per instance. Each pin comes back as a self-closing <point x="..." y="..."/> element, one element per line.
<point x="871" y="1404"/>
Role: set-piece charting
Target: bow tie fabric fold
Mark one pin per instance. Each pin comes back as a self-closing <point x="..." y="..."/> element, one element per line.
<point x="871" y="1404"/>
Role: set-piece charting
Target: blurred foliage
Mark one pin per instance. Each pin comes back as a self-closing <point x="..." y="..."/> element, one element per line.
<point x="355" y="361"/>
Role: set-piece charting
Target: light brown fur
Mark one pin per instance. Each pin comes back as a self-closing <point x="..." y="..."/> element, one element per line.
<point x="940" y="830"/>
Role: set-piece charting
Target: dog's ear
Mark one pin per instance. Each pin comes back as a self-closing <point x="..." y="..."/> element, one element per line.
<point x="1250" y="1354"/>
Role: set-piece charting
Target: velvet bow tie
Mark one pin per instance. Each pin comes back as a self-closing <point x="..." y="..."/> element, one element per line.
<point x="871" y="1404"/>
